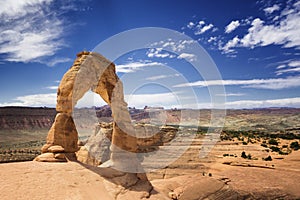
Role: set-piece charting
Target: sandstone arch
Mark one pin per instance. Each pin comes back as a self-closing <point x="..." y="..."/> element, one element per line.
<point x="90" y="71"/>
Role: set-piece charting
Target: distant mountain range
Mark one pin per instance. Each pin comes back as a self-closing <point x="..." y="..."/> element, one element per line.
<point x="35" y="118"/>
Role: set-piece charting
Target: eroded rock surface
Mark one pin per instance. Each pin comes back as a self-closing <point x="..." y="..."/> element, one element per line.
<point x="96" y="150"/>
<point x="91" y="71"/>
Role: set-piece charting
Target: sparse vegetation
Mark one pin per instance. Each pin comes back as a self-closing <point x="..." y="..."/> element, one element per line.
<point x="295" y="146"/>
<point x="245" y="156"/>
<point x="229" y="155"/>
<point x="264" y="145"/>
<point x="249" y="156"/>
<point x="269" y="158"/>
<point x="25" y="151"/>
<point x="272" y="141"/>
<point x="268" y="140"/>
<point x="275" y="149"/>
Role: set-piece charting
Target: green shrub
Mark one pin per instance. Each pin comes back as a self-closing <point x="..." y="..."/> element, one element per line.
<point x="273" y="141"/>
<point x="264" y="145"/>
<point x="283" y="153"/>
<point x="249" y="156"/>
<point x="295" y="146"/>
<point x="269" y="158"/>
<point x="243" y="155"/>
<point x="276" y="149"/>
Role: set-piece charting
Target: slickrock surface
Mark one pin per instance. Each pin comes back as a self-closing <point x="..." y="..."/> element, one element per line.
<point x="74" y="181"/>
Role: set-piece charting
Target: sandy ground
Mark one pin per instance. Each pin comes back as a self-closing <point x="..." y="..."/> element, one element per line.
<point x="240" y="179"/>
<point x="74" y="181"/>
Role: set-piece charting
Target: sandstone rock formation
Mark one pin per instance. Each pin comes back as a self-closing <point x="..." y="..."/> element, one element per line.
<point x="91" y="71"/>
<point x="96" y="151"/>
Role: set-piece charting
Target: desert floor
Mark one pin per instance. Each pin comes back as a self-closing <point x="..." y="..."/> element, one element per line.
<point x="214" y="177"/>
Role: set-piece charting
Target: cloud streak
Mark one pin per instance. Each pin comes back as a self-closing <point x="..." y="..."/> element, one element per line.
<point x="154" y="78"/>
<point x="141" y="100"/>
<point x="272" y="84"/>
<point x="285" y="102"/>
<point x="232" y="26"/>
<point x="270" y="10"/>
<point x="35" y="100"/>
<point x="284" y="30"/>
<point x="290" y="66"/>
<point x="160" y="48"/>
<point x="200" y="27"/>
<point x="31" y="31"/>
<point x="135" y="66"/>
<point x="189" y="57"/>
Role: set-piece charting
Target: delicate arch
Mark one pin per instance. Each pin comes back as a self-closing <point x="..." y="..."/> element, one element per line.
<point x="91" y="71"/>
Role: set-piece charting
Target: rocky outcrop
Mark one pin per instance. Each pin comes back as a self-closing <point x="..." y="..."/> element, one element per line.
<point x="26" y="118"/>
<point x="91" y="71"/>
<point x="96" y="149"/>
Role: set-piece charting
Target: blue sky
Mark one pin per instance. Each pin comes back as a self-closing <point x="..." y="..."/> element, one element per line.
<point x="254" y="44"/>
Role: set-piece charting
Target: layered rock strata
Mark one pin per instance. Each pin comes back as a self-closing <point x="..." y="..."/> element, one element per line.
<point x="92" y="71"/>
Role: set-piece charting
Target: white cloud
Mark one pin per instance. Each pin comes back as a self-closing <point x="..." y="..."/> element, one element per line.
<point x="284" y="32"/>
<point x="35" y="100"/>
<point x="289" y="70"/>
<point x="286" y="102"/>
<point x="273" y="84"/>
<point x="56" y="61"/>
<point x="90" y="99"/>
<point x="200" y="27"/>
<point x="190" y="25"/>
<point x="54" y="87"/>
<point x="141" y="100"/>
<point x="228" y="48"/>
<point x="30" y="30"/>
<point x="187" y="56"/>
<point x="295" y="63"/>
<point x="281" y="66"/>
<point x="154" y="78"/>
<point x="135" y="66"/>
<point x="17" y="9"/>
<point x="40" y="100"/>
<point x="290" y="66"/>
<point x="212" y="39"/>
<point x="160" y="49"/>
<point x="200" y="30"/>
<point x="270" y="10"/>
<point x="157" y="53"/>
<point x="232" y="26"/>
<point x="176" y="46"/>
<point x="230" y="94"/>
<point x="201" y="22"/>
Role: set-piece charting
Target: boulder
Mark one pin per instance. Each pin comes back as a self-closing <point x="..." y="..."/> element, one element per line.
<point x="63" y="133"/>
<point x="56" y="149"/>
<point x="49" y="157"/>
